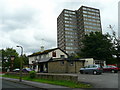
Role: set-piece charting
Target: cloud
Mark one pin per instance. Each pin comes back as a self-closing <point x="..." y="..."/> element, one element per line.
<point x="46" y="38"/>
<point x="22" y="20"/>
<point x="27" y="22"/>
<point x="19" y="19"/>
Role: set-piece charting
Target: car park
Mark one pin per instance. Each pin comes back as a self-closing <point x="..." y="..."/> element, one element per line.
<point x="93" y="69"/>
<point x="110" y="68"/>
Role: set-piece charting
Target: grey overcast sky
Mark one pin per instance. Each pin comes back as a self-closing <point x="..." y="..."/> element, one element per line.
<point x="27" y="22"/>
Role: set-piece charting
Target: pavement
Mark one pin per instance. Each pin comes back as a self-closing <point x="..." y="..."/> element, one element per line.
<point x="34" y="84"/>
<point x="40" y="85"/>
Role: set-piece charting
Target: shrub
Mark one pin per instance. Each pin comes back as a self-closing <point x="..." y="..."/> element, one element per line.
<point x="32" y="74"/>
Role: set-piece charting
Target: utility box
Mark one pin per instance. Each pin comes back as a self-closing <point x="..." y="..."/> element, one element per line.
<point x="89" y="61"/>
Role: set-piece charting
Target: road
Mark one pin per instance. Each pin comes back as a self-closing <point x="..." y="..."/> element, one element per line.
<point x="105" y="80"/>
<point x="9" y="84"/>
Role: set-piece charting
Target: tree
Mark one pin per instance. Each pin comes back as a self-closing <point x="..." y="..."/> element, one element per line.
<point x="6" y="58"/>
<point x="97" y="46"/>
<point x="25" y="60"/>
<point x="7" y="62"/>
<point x="116" y="44"/>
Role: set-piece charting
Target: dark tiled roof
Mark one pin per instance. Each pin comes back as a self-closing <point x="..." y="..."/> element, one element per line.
<point x="45" y="60"/>
<point x="45" y="52"/>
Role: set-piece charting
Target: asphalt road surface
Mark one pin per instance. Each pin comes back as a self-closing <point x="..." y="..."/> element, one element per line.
<point x="105" y="80"/>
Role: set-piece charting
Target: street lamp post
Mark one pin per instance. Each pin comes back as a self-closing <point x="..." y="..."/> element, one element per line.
<point x="21" y="63"/>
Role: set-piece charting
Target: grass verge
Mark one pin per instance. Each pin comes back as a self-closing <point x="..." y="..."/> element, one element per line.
<point x="54" y="82"/>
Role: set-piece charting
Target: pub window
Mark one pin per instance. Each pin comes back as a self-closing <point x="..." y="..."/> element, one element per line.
<point x="62" y="56"/>
<point x="33" y="61"/>
<point x="54" y="54"/>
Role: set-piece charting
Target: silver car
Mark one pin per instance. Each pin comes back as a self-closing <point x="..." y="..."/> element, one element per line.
<point x="94" y="69"/>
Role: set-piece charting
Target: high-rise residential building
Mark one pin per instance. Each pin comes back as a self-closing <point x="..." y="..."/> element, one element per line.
<point x="72" y="25"/>
<point x="119" y="19"/>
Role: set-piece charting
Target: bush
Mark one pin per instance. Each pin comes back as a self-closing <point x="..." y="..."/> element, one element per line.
<point x="32" y="74"/>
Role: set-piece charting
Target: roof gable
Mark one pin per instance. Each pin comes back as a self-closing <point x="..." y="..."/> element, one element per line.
<point x="46" y="52"/>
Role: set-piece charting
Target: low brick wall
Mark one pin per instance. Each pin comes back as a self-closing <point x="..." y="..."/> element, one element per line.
<point x="16" y="73"/>
<point x="58" y="77"/>
<point x="73" y="78"/>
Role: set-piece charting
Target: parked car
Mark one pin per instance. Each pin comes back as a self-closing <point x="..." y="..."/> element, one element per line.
<point x="93" y="69"/>
<point x="26" y="70"/>
<point x="110" y="68"/>
<point x="16" y="70"/>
